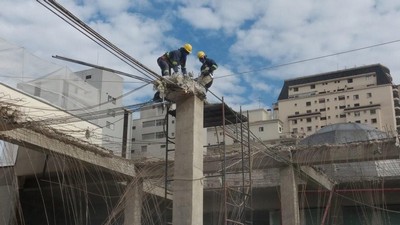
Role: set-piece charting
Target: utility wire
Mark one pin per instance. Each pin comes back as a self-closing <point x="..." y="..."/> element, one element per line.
<point x="310" y="59"/>
<point x="103" y="68"/>
<point x="75" y="22"/>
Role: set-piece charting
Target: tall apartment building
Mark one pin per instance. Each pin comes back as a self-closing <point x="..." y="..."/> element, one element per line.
<point x="360" y="95"/>
<point x="91" y="94"/>
<point x="148" y="132"/>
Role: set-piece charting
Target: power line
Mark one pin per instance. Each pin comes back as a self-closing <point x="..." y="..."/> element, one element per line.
<point x="310" y="59"/>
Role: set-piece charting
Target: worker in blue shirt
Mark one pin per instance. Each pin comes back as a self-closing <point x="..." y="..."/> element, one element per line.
<point x="207" y="68"/>
<point x="174" y="59"/>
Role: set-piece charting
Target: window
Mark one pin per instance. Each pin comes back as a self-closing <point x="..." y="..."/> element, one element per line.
<point x="312" y="86"/>
<point x="369" y="95"/>
<point x="111" y="112"/>
<point x="321" y="100"/>
<point x="112" y="99"/>
<point x="148" y="136"/>
<point x="342" y="106"/>
<point x="323" y="118"/>
<point x="296" y="113"/>
<point x="144" y="148"/>
<point x="350" y="80"/>
<point x="261" y="129"/>
<point x="294" y="130"/>
<point x="308" y="103"/>
<point x="355" y="97"/>
<point x="357" y="121"/>
<point x="294" y="121"/>
<point x="309" y="128"/>
<point x="133" y="127"/>
<point x="162" y="146"/>
<point x="280" y="129"/>
<point x="160" y="135"/>
<point x="160" y="122"/>
<point x="308" y="111"/>
<point x="372" y="111"/>
<point x="308" y="120"/>
<point x="109" y="125"/>
<point x="133" y="139"/>
<point x="149" y="123"/>
<point x="374" y="120"/>
<point x="322" y="110"/>
<point x="356" y="113"/>
<point x="88" y="77"/>
<point x="341" y="97"/>
<point x="295" y="89"/>
<point x="357" y="104"/>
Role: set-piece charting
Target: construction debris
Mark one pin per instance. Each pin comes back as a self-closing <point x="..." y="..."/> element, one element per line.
<point x="178" y="83"/>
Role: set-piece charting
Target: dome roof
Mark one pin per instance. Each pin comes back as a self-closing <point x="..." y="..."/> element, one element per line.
<point x="342" y="133"/>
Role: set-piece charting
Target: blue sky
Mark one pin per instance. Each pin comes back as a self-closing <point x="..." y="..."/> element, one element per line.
<point x="252" y="40"/>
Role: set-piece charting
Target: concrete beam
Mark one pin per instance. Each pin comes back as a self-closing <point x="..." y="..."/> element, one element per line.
<point x="45" y="142"/>
<point x="357" y="152"/>
<point x="290" y="212"/>
<point x="318" y="177"/>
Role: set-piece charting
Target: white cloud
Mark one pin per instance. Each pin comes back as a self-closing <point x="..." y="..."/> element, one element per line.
<point x="260" y="34"/>
<point x="294" y="31"/>
<point x="203" y="18"/>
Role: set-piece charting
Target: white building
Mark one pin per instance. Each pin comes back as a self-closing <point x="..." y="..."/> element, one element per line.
<point x="149" y="140"/>
<point x="149" y="132"/>
<point x="91" y="94"/>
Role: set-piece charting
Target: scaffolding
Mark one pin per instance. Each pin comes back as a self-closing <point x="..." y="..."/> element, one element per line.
<point x="231" y="170"/>
<point x="232" y="166"/>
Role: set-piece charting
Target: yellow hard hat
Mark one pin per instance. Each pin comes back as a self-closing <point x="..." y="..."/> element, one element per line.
<point x="188" y="47"/>
<point x="201" y="54"/>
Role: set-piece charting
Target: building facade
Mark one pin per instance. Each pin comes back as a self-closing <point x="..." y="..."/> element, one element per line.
<point x="360" y="95"/>
<point x="149" y="131"/>
<point x="92" y="95"/>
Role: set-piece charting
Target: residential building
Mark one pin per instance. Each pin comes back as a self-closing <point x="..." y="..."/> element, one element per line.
<point x="359" y="95"/>
<point x="149" y="132"/>
<point x="91" y="94"/>
<point x="149" y="140"/>
<point x="262" y="126"/>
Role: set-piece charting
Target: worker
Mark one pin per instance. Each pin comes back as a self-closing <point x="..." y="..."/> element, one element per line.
<point x="174" y="59"/>
<point x="207" y="68"/>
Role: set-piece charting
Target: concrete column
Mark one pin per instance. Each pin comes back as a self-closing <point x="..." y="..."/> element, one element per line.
<point x="290" y="212"/>
<point x="188" y="171"/>
<point x="133" y="203"/>
<point x="8" y="195"/>
<point x="372" y="200"/>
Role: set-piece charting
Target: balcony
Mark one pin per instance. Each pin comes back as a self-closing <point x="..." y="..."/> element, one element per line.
<point x="304" y="115"/>
<point x="358" y="108"/>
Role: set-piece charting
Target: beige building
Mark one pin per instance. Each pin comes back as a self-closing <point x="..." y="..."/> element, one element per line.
<point x="262" y="126"/>
<point x="360" y="95"/>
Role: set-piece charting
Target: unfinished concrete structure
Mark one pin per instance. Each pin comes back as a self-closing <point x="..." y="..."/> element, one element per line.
<point x="63" y="176"/>
<point x="65" y="185"/>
